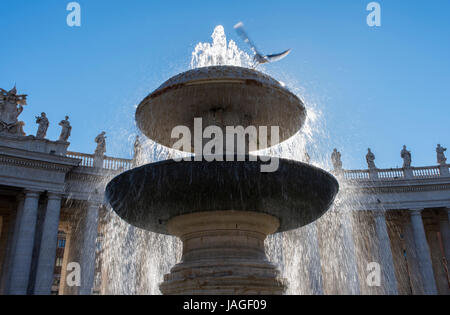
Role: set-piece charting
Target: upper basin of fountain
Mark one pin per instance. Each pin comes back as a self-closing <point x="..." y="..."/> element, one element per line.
<point x="222" y="96"/>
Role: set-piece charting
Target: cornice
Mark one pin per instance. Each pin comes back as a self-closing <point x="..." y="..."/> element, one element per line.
<point x="82" y="173"/>
<point x="36" y="164"/>
<point x="39" y="160"/>
<point x="406" y="189"/>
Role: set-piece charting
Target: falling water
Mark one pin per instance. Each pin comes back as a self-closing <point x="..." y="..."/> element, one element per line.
<point x="219" y="53"/>
<point x="134" y="261"/>
<point x="322" y="258"/>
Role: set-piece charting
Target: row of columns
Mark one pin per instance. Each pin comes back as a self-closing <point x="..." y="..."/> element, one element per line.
<point x="23" y="243"/>
<point x="423" y="253"/>
<point x="421" y="248"/>
<point x="18" y="261"/>
<point x="389" y="282"/>
<point x="385" y="253"/>
<point x="20" y="252"/>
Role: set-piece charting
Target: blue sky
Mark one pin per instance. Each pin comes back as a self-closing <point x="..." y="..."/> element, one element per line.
<point x="377" y="87"/>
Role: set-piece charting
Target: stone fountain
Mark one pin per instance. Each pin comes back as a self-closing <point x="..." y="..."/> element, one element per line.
<point x="221" y="210"/>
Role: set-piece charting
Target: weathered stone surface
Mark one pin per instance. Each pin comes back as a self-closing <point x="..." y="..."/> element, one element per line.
<point x="223" y="253"/>
<point x="222" y="96"/>
<point x="33" y="144"/>
<point x="149" y="196"/>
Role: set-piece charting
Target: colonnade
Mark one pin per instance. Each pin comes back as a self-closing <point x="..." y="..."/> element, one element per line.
<point x="18" y="275"/>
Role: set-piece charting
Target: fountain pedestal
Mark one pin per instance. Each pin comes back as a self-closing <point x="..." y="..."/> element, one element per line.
<point x="223" y="254"/>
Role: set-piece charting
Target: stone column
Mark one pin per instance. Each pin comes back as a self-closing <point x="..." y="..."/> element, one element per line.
<point x="63" y="281"/>
<point x="314" y="264"/>
<point x="373" y="173"/>
<point x="47" y="252"/>
<point x="23" y="251"/>
<point x="423" y="253"/>
<point x="444" y="171"/>
<point x="13" y="231"/>
<point x="448" y="213"/>
<point x="98" y="161"/>
<point x="385" y="253"/>
<point x="87" y="253"/>
<point x="353" y="284"/>
<point x="445" y="233"/>
<point x="408" y="172"/>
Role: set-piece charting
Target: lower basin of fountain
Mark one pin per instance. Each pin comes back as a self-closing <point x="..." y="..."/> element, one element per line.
<point x="149" y="196"/>
<point x="222" y="211"/>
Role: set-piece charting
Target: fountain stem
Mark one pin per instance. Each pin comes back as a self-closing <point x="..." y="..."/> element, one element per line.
<point x="223" y="253"/>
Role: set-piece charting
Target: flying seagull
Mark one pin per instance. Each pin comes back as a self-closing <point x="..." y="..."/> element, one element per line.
<point x="259" y="58"/>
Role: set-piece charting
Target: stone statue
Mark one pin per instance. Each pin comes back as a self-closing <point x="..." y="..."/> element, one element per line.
<point x="406" y="156"/>
<point x="101" y="144"/>
<point x="66" y="129"/>
<point x="11" y="106"/>
<point x="336" y="160"/>
<point x="43" y="123"/>
<point x="137" y="150"/>
<point x="306" y="158"/>
<point x="370" y="158"/>
<point x="441" y="159"/>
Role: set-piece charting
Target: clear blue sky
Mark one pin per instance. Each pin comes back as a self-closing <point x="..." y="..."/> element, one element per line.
<point x="378" y="88"/>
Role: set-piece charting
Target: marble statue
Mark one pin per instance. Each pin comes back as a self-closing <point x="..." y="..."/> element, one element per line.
<point x="306" y="158"/>
<point x="43" y="123"/>
<point x="336" y="160"/>
<point x="441" y="159"/>
<point x="406" y="156"/>
<point x="101" y="144"/>
<point x="11" y="106"/>
<point x="137" y="150"/>
<point x="66" y="129"/>
<point x="370" y="158"/>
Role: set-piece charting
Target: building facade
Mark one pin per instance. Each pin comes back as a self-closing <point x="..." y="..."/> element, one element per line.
<point x="50" y="200"/>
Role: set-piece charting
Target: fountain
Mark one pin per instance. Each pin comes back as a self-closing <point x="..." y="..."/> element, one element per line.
<point x="221" y="209"/>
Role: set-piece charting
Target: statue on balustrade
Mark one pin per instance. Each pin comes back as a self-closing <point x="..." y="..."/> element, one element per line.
<point x="336" y="160"/>
<point x="306" y="158"/>
<point x="11" y="106"/>
<point x="101" y="144"/>
<point x="66" y="129"/>
<point x="137" y="151"/>
<point x="370" y="158"/>
<point x="441" y="159"/>
<point x="406" y="156"/>
<point x="43" y="123"/>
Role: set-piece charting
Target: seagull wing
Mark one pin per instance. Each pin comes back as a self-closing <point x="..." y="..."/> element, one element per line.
<point x="279" y="56"/>
<point x="239" y="27"/>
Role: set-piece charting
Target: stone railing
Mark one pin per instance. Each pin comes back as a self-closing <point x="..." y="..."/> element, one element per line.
<point x="356" y="174"/>
<point x="427" y="172"/>
<point x="398" y="173"/>
<point x="109" y="163"/>
<point x="393" y="173"/>
<point x="87" y="160"/>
